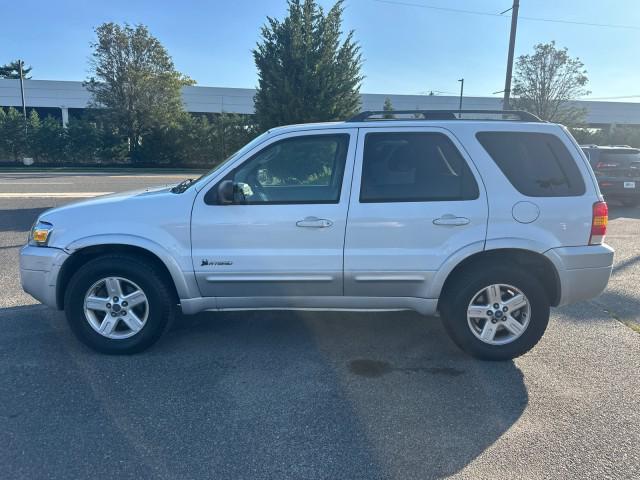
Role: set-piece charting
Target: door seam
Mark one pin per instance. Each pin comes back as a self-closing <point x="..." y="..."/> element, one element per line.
<point x="346" y="222"/>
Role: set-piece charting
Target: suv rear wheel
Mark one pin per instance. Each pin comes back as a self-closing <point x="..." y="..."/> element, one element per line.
<point x="118" y="304"/>
<point x="497" y="313"/>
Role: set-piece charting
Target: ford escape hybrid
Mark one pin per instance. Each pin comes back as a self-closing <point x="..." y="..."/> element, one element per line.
<point x="489" y="218"/>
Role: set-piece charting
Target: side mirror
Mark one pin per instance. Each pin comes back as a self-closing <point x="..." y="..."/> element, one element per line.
<point x="225" y="192"/>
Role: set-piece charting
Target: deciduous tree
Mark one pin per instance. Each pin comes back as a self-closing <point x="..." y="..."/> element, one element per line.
<point x="546" y="81"/>
<point x="135" y="82"/>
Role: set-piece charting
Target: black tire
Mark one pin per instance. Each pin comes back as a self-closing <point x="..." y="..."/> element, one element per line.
<point x="160" y="297"/>
<point x="461" y="291"/>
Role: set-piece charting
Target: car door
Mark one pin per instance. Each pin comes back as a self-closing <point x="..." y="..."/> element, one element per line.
<point x="417" y="201"/>
<point x="283" y="234"/>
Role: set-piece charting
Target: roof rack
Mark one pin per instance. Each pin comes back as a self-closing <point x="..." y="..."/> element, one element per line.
<point x="509" y="115"/>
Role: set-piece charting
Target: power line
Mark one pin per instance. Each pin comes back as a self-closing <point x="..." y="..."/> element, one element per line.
<point x="491" y="14"/>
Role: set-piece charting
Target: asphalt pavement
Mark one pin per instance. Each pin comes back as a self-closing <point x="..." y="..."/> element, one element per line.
<point x="302" y="395"/>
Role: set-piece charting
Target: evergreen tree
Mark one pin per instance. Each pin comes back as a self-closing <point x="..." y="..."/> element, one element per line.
<point x="13" y="139"/>
<point x="305" y="72"/>
<point x="387" y="107"/>
<point x="12" y="70"/>
<point x="135" y="82"/>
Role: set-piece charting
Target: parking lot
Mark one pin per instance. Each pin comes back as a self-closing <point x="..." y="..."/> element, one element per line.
<point x="306" y="395"/>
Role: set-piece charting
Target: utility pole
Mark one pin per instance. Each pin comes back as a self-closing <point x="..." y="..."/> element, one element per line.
<point x="512" y="44"/>
<point x="461" y="80"/>
<point x="24" y="106"/>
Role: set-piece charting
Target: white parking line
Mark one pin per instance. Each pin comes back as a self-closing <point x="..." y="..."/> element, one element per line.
<point x="53" y="194"/>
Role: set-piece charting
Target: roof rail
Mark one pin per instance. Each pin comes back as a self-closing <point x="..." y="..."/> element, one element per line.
<point x="509" y="115"/>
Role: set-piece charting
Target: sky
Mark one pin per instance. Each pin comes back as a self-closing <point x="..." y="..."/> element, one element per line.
<point x="407" y="49"/>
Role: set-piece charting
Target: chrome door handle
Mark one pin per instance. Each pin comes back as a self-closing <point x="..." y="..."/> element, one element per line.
<point x="451" y="220"/>
<point x="314" y="222"/>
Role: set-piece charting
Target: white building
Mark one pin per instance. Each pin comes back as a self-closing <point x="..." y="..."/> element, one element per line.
<point x="59" y="98"/>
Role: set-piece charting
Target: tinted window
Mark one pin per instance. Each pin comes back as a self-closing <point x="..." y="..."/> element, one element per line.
<point x="414" y="167"/>
<point x="536" y="164"/>
<point x="620" y="157"/>
<point x="305" y="169"/>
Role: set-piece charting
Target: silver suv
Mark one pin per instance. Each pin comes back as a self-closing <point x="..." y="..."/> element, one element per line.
<point x="489" y="218"/>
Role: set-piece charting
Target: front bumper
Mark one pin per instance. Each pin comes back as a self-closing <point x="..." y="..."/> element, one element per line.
<point x="39" y="268"/>
<point x="583" y="271"/>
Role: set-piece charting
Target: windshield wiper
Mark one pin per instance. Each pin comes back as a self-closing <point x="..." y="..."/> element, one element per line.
<point x="183" y="185"/>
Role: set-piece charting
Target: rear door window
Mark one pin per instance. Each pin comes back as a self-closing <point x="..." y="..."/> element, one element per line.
<point x="536" y="164"/>
<point x="414" y="167"/>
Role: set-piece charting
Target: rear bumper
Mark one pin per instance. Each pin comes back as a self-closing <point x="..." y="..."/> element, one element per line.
<point x="583" y="271"/>
<point x="614" y="187"/>
<point x="39" y="268"/>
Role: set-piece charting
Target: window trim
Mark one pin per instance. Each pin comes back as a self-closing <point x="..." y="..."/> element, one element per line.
<point x="422" y="199"/>
<point x="211" y="197"/>
<point x="582" y="191"/>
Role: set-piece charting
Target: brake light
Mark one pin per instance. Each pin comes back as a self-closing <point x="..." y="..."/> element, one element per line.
<point x="600" y="165"/>
<point x="599" y="222"/>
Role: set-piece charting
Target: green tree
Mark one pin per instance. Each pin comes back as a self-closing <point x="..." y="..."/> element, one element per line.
<point x="305" y="72"/>
<point x="12" y="70"/>
<point x="134" y="80"/>
<point x="613" y="135"/>
<point x="233" y="131"/>
<point x="13" y="139"/>
<point x="47" y="139"/>
<point x="84" y="141"/>
<point x="387" y="107"/>
<point x="546" y="81"/>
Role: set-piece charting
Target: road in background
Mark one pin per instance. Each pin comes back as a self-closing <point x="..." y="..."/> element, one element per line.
<point x="81" y="184"/>
<point x="315" y="395"/>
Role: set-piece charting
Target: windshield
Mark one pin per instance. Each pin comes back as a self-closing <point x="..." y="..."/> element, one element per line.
<point x="253" y="143"/>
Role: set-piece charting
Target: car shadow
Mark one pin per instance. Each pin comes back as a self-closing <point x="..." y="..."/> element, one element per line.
<point x="254" y="395"/>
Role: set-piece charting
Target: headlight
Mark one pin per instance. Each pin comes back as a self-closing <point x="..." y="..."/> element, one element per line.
<point x="40" y="233"/>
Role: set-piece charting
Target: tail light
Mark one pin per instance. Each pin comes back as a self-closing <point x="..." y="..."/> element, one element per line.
<point x="600" y="165"/>
<point x="599" y="222"/>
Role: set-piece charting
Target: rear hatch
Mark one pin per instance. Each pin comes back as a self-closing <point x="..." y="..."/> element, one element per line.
<point x="620" y="163"/>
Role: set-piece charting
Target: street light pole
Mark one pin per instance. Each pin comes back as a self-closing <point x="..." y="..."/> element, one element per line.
<point x="512" y="44"/>
<point x="24" y="106"/>
<point x="461" y="80"/>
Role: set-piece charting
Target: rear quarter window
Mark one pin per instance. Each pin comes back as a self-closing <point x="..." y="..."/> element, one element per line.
<point x="536" y="164"/>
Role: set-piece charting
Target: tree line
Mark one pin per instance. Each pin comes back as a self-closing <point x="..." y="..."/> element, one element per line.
<point x="309" y="70"/>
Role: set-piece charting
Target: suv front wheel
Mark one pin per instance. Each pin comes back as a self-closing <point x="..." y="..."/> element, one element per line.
<point x="118" y="304"/>
<point x="497" y="313"/>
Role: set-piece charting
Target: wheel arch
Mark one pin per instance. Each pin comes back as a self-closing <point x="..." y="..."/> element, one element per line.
<point x="535" y="263"/>
<point x="170" y="271"/>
